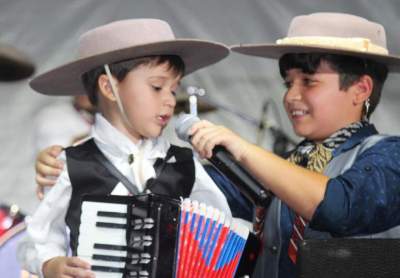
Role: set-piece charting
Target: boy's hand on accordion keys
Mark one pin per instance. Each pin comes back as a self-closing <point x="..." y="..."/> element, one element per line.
<point x="67" y="267"/>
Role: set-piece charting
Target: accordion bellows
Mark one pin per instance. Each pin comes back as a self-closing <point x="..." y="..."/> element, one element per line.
<point x="154" y="236"/>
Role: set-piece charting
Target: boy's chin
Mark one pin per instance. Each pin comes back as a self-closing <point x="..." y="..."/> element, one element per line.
<point x="301" y="132"/>
<point x="153" y="134"/>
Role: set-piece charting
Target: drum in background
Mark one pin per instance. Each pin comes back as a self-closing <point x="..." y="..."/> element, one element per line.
<point x="12" y="230"/>
<point x="10" y="216"/>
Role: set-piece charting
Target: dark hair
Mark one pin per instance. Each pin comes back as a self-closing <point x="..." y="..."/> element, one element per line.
<point x="120" y="69"/>
<point x="349" y="68"/>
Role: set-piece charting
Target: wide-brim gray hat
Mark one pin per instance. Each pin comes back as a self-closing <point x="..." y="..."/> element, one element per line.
<point x="14" y="65"/>
<point x="125" y="40"/>
<point x="335" y="33"/>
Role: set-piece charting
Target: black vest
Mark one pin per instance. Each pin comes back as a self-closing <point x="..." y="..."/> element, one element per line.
<point x="88" y="175"/>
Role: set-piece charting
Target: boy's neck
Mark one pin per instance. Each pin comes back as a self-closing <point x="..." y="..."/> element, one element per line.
<point x="118" y="124"/>
<point x="321" y="140"/>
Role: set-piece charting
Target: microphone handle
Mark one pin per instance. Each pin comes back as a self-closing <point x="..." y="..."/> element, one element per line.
<point x="223" y="161"/>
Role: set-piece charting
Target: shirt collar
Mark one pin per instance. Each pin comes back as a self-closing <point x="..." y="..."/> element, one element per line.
<point x="356" y="139"/>
<point x="119" y="145"/>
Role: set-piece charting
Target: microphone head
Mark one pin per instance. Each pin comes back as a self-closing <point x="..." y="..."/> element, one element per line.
<point x="183" y="125"/>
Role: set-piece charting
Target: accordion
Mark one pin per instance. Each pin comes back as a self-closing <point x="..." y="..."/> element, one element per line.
<point x="151" y="235"/>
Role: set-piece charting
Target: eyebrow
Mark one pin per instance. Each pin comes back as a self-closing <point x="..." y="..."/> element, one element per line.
<point x="163" y="78"/>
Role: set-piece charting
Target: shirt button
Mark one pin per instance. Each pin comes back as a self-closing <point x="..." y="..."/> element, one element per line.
<point x="131" y="158"/>
<point x="368" y="168"/>
<point x="273" y="249"/>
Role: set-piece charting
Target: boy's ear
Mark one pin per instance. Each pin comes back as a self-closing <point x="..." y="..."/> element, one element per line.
<point x="363" y="89"/>
<point x="103" y="82"/>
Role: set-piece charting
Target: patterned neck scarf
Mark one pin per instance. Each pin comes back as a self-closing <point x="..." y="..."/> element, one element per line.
<point x="315" y="156"/>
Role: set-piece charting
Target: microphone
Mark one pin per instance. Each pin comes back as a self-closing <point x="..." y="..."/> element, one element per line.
<point x="224" y="162"/>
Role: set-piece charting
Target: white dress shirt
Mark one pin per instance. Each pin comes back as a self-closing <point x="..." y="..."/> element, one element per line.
<point x="47" y="233"/>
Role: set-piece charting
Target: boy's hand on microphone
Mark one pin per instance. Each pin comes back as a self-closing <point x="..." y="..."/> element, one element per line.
<point x="205" y="136"/>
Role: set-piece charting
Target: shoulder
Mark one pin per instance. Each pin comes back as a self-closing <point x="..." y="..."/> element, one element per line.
<point x="380" y="144"/>
<point x="87" y="147"/>
<point x="381" y="151"/>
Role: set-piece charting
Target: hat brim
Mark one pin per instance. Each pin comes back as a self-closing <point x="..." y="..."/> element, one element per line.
<point x="66" y="79"/>
<point x="275" y="51"/>
<point x="14" y="65"/>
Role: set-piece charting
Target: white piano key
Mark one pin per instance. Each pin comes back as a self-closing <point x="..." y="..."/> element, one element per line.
<point x="107" y="275"/>
<point x="94" y="207"/>
<point x="103" y="235"/>
<point x="102" y="262"/>
<point x="95" y="218"/>
<point x="89" y="252"/>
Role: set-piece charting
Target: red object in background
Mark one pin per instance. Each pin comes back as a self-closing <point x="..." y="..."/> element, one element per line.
<point x="9" y="217"/>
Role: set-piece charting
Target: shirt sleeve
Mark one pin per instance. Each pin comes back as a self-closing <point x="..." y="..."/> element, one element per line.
<point x="205" y="190"/>
<point x="46" y="229"/>
<point x="364" y="199"/>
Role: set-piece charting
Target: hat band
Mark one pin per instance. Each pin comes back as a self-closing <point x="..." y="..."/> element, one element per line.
<point x="353" y="44"/>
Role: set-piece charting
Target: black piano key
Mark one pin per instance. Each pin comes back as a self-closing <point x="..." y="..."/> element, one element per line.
<point x="112" y="214"/>
<point x="109" y="247"/>
<point x="111" y="225"/>
<point x="101" y="268"/>
<point x="108" y="258"/>
<point x="115" y="247"/>
<point x="132" y="259"/>
<point x="137" y="224"/>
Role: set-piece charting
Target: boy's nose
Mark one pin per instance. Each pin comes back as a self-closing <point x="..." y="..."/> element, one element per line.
<point x="170" y="100"/>
<point x="293" y="93"/>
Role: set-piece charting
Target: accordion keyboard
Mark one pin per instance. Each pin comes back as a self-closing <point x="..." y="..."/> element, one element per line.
<point x="126" y="238"/>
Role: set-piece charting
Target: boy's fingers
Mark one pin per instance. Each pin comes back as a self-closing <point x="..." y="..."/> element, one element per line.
<point x="56" y="150"/>
<point x="44" y="181"/>
<point x="39" y="192"/>
<point x="48" y="160"/>
<point x="47" y="170"/>
<point x="78" y="268"/>
<point x="49" y="157"/>
<point x="76" y="272"/>
<point x="198" y="126"/>
<point x="77" y="262"/>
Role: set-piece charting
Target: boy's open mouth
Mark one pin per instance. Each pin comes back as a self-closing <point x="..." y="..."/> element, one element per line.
<point x="298" y="112"/>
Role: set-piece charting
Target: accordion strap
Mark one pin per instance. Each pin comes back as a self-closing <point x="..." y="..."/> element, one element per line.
<point x="113" y="170"/>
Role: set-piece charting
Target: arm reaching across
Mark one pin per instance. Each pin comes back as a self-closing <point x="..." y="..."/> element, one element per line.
<point x="301" y="189"/>
<point x="48" y="168"/>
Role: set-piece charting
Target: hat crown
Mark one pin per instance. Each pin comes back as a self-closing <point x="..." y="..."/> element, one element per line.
<point x="337" y="25"/>
<point x="123" y="34"/>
